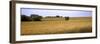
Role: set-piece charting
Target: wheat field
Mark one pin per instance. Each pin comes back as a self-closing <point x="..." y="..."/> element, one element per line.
<point x="73" y="25"/>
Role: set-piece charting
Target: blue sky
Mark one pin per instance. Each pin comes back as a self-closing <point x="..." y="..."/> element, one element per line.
<point x="51" y="12"/>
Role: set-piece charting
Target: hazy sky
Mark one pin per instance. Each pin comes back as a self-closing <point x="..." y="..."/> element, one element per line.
<point x="49" y="12"/>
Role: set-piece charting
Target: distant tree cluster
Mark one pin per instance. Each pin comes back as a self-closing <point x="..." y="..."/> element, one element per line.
<point x="66" y="18"/>
<point x="25" y="18"/>
<point x="57" y="16"/>
<point x="36" y="17"/>
<point x="33" y="17"/>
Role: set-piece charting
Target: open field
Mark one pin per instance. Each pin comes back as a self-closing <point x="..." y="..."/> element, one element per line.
<point x="73" y="25"/>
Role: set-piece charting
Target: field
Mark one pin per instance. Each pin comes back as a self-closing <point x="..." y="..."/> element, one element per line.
<point x="57" y="26"/>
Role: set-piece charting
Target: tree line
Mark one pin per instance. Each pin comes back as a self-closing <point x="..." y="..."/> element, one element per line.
<point x="35" y="17"/>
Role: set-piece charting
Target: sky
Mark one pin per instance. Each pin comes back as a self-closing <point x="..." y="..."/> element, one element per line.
<point x="52" y="12"/>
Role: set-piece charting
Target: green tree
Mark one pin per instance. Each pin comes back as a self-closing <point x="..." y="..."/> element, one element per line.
<point x="25" y="18"/>
<point x="36" y="17"/>
<point x="66" y="18"/>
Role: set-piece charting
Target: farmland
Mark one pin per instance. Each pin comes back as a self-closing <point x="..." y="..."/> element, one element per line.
<point x="57" y="26"/>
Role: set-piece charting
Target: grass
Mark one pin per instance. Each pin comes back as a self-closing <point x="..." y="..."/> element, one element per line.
<point x="73" y="25"/>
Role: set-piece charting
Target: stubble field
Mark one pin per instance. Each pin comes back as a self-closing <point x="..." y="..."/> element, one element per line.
<point x="57" y="26"/>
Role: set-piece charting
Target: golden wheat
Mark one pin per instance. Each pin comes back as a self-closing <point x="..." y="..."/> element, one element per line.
<point x="73" y="25"/>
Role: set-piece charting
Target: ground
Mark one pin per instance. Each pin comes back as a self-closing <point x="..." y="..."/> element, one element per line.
<point x="73" y="25"/>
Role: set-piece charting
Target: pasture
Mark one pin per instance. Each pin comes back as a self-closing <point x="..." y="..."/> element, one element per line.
<point x="57" y="26"/>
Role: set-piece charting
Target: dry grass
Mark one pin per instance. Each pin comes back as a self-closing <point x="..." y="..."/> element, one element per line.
<point x="74" y="25"/>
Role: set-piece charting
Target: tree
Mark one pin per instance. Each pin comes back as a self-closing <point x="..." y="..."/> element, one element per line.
<point x="66" y="18"/>
<point x="36" y="17"/>
<point x="57" y="16"/>
<point x="25" y="18"/>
